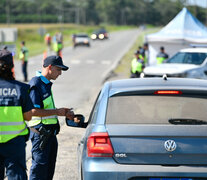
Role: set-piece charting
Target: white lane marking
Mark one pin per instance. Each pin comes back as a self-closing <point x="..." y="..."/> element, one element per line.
<point x="105" y="62"/>
<point x="75" y="61"/>
<point x="90" y="61"/>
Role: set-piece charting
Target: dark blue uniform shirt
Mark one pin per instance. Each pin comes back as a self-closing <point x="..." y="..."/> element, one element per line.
<point x="15" y="93"/>
<point x="40" y="89"/>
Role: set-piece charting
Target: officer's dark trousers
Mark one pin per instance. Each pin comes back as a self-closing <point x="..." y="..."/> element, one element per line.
<point x="24" y="70"/>
<point x="13" y="158"/>
<point x="43" y="161"/>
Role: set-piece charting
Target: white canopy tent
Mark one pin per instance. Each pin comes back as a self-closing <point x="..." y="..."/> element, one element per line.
<point x="179" y="33"/>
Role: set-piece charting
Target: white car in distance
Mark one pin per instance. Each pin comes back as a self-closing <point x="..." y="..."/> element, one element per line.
<point x="188" y="63"/>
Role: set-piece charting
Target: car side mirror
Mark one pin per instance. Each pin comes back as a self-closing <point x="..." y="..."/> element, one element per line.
<point x="74" y="123"/>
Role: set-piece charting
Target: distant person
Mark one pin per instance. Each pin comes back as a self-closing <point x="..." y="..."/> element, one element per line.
<point x="161" y="56"/>
<point x="141" y="52"/>
<point x="137" y="65"/>
<point x="59" y="39"/>
<point x="73" y="39"/>
<point x="55" y="43"/>
<point x="145" y="53"/>
<point x="15" y="109"/>
<point x="24" y="52"/>
<point x="48" y="40"/>
<point x="58" y="43"/>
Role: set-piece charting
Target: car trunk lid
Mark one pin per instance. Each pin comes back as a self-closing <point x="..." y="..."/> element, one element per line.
<point x="159" y="144"/>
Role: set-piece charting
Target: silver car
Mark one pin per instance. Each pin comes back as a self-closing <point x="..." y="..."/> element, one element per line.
<point x="146" y="129"/>
<point x="81" y="40"/>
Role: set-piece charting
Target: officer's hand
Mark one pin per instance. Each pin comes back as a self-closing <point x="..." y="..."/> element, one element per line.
<point x="76" y="120"/>
<point x="62" y="111"/>
<point x="69" y="114"/>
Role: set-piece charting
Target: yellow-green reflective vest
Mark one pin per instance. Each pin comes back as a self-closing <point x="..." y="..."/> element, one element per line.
<point x="25" y="54"/>
<point x="12" y="123"/>
<point x="160" y="60"/>
<point x="60" y="46"/>
<point x="48" y="104"/>
<point x="55" y="47"/>
<point x="21" y="55"/>
<point x="144" y="58"/>
<point x="141" y="57"/>
<point x="136" y="66"/>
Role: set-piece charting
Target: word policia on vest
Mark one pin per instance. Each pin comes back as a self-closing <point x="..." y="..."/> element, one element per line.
<point x="8" y="92"/>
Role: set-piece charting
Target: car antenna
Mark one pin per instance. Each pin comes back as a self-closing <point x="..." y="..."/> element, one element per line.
<point x="164" y="77"/>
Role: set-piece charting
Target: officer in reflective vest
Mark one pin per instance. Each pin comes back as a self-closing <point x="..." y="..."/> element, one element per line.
<point x="58" y="43"/>
<point x="23" y="56"/>
<point x="162" y="56"/>
<point x="144" y="52"/>
<point x="137" y="65"/>
<point x="45" y="116"/>
<point x="15" y="108"/>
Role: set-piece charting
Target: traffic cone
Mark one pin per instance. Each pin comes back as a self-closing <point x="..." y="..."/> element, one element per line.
<point x="44" y="54"/>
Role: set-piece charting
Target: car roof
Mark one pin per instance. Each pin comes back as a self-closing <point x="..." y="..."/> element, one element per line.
<point x="136" y="84"/>
<point x="194" y="50"/>
<point x="100" y="31"/>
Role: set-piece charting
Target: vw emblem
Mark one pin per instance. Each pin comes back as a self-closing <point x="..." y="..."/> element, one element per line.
<point x="170" y="145"/>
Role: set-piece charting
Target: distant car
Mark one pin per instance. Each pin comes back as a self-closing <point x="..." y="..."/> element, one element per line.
<point x="81" y="39"/>
<point x="100" y="34"/>
<point x="146" y="129"/>
<point x="188" y="63"/>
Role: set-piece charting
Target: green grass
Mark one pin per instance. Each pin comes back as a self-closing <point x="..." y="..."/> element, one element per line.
<point x="125" y="64"/>
<point x="35" y="42"/>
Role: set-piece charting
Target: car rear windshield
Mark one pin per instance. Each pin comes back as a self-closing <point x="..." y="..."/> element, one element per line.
<point x="152" y="109"/>
<point x="188" y="58"/>
<point x="81" y="35"/>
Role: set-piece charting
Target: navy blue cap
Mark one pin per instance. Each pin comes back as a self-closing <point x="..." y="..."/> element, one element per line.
<point x="6" y="56"/>
<point x="55" y="61"/>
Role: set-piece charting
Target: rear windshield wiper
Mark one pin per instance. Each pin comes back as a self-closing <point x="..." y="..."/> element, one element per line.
<point x="187" y="121"/>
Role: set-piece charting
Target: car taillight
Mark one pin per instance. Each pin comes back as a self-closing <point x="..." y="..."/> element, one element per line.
<point x="167" y="92"/>
<point x="99" y="145"/>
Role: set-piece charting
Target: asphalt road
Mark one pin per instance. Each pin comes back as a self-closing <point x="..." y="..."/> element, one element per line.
<point x="78" y="88"/>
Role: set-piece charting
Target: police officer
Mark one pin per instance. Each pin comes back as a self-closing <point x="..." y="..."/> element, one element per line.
<point x="45" y="116"/>
<point x="137" y="65"/>
<point x="144" y="52"/>
<point x="24" y="58"/>
<point x="15" y="108"/>
<point x="58" y="43"/>
<point x="162" y="56"/>
<point x="48" y="41"/>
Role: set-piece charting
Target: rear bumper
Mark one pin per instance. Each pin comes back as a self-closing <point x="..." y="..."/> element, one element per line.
<point x="108" y="169"/>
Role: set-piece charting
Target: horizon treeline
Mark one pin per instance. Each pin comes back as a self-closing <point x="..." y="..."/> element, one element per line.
<point x="96" y="12"/>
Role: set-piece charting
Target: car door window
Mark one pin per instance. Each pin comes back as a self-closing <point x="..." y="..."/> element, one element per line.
<point x="94" y="113"/>
<point x="188" y="58"/>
